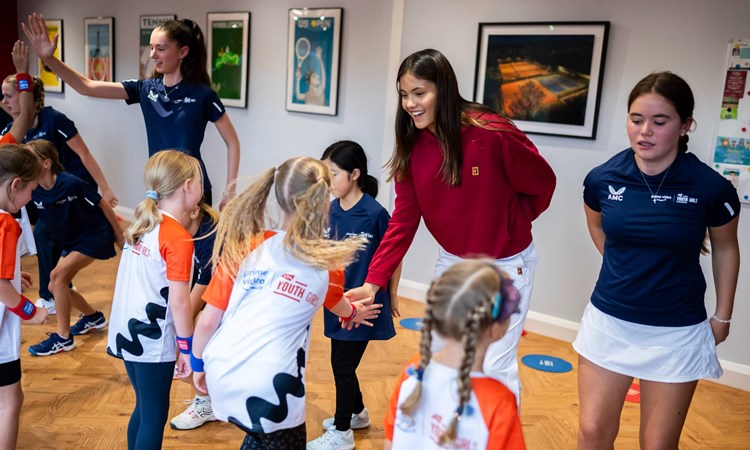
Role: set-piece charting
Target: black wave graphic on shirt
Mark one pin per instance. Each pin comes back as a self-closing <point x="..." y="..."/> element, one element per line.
<point x="284" y="384"/>
<point x="137" y="328"/>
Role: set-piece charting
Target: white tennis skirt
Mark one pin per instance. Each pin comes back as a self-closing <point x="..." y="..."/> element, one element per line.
<point x="663" y="354"/>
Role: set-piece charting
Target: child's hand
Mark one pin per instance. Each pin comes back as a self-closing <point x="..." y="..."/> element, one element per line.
<point x="26" y="280"/>
<point x="199" y="381"/>
<point x="365" y="312"/>
<point x="36" y="31"/>
<point x="39" y="318"/>
<point x="21" y="57"/>
<point x="183" y="366"/>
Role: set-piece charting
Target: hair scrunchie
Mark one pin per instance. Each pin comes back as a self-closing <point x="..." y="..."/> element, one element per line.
<point x="153" y="195"/>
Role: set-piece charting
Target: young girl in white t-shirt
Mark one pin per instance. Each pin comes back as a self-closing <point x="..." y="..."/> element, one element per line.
<point x="443" y="400"/>
<point x="254" y="333"/>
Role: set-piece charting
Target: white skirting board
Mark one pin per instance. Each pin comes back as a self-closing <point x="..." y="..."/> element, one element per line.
<point x="735" y="375"/>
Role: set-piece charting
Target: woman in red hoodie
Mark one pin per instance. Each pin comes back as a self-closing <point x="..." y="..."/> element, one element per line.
<point x="475" y="179"/>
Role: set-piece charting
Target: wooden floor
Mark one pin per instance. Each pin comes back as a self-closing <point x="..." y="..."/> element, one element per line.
<point x="82" y="399"/>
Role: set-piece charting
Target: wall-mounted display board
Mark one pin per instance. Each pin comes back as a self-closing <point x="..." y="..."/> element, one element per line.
<point x="731" y="156"/>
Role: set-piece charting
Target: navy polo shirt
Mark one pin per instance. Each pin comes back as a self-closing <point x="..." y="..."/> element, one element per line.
<point x="72" y="214"/>
<point x="176" y="117"/>
<point x="204" y="247"/>
<point x="54" y="126"/>
<point x="650" y="271"/>
<point x="370" y="219"/>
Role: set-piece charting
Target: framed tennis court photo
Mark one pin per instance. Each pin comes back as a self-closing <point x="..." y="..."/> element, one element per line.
<point x="53" y="83"/>
<point x="545" y="76"/>
<point x="99" y="48"/>
<point x="229" y="56"/>
<point x="313" y="60"/>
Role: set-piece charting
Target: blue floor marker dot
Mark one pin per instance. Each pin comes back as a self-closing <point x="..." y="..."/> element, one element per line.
<point x="412" y="323"/>
<point x="547" y="363"/>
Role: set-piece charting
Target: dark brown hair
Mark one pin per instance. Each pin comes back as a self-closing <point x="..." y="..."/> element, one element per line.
<point x="187" y="33"/>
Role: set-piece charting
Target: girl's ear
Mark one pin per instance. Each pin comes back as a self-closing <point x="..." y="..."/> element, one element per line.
<point x="15" y="184"/>
<point x="355" y="174"/>
<point x="184" y="50"/>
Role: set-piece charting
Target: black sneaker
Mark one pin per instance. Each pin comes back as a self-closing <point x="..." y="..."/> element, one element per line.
<point x="53" y="344"/>
<point x="87" y="323"/>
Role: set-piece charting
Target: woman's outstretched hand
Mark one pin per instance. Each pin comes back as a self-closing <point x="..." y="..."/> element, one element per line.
<point x="36" y="31"/>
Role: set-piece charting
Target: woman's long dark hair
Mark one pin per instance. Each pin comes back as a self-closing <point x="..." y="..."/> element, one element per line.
<point x="349" y="155"/>
<point x="451" y="112"/>
<point x="187" y="33"/>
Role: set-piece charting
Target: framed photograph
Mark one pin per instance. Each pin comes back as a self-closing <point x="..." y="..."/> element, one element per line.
<point x="52" y="83"/>
<point x="148" y="23"/>
<point x="313" y="54"/>
<point x="99" y="48"/>
<point x="545" y="76"/>
<point x="229" y="56"/>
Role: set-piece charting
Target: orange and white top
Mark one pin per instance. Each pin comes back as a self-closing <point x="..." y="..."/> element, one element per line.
<point x="10" y="269"/>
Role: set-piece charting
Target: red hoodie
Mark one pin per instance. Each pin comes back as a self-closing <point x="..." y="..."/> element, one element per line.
<point x="505" y="185"/>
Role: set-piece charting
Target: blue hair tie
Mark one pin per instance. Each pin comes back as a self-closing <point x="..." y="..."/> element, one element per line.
<point x="460" y="411"/>
<point x="415" y="371"/>
<point x="153" y="195"/>
<point x="498" y="301"/>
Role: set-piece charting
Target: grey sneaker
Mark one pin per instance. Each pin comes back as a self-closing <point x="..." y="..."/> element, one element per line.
<point x="359" y="421"/>
<point x="333" y="439"/>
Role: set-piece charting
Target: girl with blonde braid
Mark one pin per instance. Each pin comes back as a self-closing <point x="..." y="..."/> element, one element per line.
<point x="254" y="332"/>
<point x="469" y="307"/>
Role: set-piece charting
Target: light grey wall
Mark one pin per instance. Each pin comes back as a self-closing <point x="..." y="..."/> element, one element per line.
<point x="688" y="37"/>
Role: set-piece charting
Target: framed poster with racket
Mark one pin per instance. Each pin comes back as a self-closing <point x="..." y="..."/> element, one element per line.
<point x="99" y="48"/>
<point x="314" y="49"/>
<point x="53" y="83"/>
<point x="228" y="56"/>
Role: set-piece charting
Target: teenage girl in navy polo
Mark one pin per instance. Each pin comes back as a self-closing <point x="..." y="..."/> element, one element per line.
<point x="85" y="227"/>
<point x="177" y="102"/>
<point x="648" y="209"/>
<point x="354" y="212"/>
<point x="150" y="317"/>
<point x="19" y="171"/>
<point x="54" y="126"/>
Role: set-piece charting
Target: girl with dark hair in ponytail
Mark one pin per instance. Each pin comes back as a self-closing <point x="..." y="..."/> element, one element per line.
<point x="177" y="102"/>
<point x="648" y="209"/>
<point x="354" y="212"/>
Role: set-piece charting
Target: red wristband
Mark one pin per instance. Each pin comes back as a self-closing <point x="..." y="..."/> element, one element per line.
<point x="25" y="310"/>
<point x="24" y="82"/>
<point x="354" y="313"/>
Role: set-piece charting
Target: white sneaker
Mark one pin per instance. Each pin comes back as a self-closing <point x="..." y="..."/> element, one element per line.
<point x="333" y="439"/>
<point x="49" y="305"/>
<point x="359" y="421"/>
<point x="198" y="413"/>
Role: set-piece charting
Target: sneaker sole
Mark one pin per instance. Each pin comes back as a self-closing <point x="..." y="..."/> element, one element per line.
<point x="95" y="327"/>
<point x="175" y="427"/>
<point x="52" y="352"/>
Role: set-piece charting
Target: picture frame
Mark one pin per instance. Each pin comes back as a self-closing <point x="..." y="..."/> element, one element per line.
<point x="228" y="46"/>
<point x="313" y="55"/>
<point x="99" y="48"/>
<point x="147" y="25"/>
<point x="53" y="83"/>
<point x="545" y="76"/>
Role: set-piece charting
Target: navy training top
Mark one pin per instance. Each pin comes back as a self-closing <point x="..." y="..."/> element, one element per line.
<point x="176" y="117"/>
<point x="204" y="247"/>
<point x="650" y="271"/>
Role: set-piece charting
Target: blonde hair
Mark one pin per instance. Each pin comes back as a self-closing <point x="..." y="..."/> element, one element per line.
<point x="460" y="306"/>
<point x="165" y="173"/>
<point x="44" y="149"/>
<point x="301" y="186"/>
<point x="38" y="90"/>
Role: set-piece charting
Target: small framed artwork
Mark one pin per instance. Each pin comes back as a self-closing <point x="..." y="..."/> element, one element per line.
<point x="53" y="83"/>
<point x="229" y="55"/>
<point x="545" y="76"/>
<point x="147" y="25"/>
<point x="313" y="54"/>
<point x="99" y="48"/>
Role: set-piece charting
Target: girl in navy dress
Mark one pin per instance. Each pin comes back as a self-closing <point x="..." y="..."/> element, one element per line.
<point x="85" y="227"/>
<point x="354" y="212"/>
<point x="177" y="102"/>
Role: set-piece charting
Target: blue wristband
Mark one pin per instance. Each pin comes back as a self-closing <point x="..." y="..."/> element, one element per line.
<point x="185" y="344"/>
<point x="196" y="364"/>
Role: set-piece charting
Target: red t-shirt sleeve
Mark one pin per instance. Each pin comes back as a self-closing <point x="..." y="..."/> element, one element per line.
<point x="9" y="233"/>
<point x="335" y="288"/>
<point x="500" y="414"/>
<point x="176" y="248"/>
<point x="8" y="138"/>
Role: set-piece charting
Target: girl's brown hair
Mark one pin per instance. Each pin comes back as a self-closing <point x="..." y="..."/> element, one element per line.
<point x="17" y="162"/>
<point x="44" y="149"/>
<point x="165" y="173"/>
<point x="461" y="306"/>
<point x="301" y="187"/>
